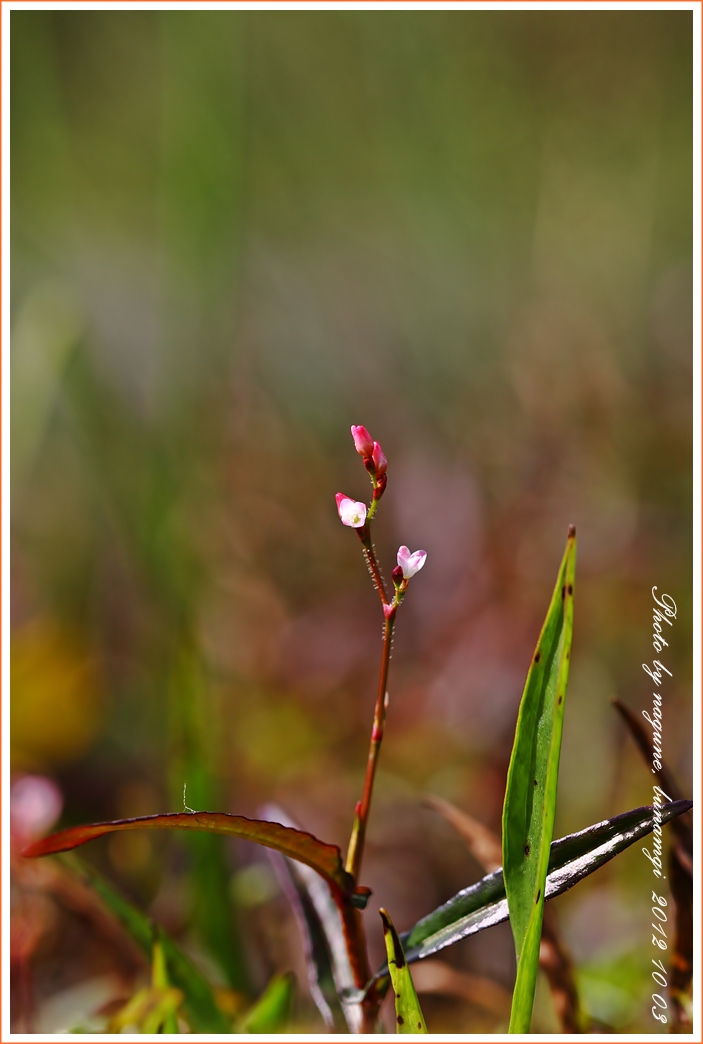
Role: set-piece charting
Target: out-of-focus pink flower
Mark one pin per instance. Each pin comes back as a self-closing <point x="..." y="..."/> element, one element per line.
<point x="410" y="563"/>
<point x="363" y="443"/>
<point x="35" y="805"/>
<point x="351" y="512"/>
<point x="379" y="460"/>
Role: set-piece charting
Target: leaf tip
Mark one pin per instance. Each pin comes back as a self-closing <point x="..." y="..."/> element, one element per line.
<point x="389" y="930"/>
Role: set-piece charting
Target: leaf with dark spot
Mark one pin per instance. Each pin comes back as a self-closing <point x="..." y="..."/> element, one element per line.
<point x="554" y="959"/>
<point x="408" y="1014"/>
<point x="528" y="813"/>
<point x="572" y="858"/>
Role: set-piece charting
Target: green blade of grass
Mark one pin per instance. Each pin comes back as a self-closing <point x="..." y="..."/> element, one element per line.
<point x="193" y="758"/>
<point x="150" y="1010"/>
<point x="531" y="789"/>
<point x="573" y="857"/>
<point x="271" y="1012"/>
<point x="160" y="981"/>
<point x="408" y="1013"/>
<point x="298" y="844"/>
<point x="200" y="1007"/>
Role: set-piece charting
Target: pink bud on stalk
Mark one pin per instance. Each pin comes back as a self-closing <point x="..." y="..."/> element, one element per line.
<point x="410" y="563"/>
<point x="351" y="512"/>
<point x="379" y="460"/>
<point x="363" y="443"/>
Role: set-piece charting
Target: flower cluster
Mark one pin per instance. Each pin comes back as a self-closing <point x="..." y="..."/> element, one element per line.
<point x="356" y="515"/>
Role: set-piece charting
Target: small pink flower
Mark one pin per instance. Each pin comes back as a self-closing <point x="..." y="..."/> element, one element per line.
<point x="35" y="805"/>
<point x="379" y="460"/>
<point x="410" y="563"/>
<point x="363" y="443"/>
<point x="351" y="512"/>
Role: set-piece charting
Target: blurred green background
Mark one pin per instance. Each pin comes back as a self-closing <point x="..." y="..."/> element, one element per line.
<point x="234" y="234"/>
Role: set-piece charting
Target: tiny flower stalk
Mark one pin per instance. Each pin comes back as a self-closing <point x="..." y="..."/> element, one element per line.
<point x="355" y="515"/>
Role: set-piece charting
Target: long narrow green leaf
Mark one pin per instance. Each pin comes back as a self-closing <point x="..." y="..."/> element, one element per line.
<point x="408" y="1013"/>
<point x="271" y="1012"/>
<point x="572" y="858"/>
<point x="318" y="958"/>
<point x="531" y="789"/>
<point x="297" y="844"/>
<point x="324" y="945"/>
<point x="201" y="1008"/>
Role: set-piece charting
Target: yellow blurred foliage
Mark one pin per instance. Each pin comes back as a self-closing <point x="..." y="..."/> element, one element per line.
<point x="56" y="697"/>
<point x="276" y="739"/>
<point x="130" y="853"/>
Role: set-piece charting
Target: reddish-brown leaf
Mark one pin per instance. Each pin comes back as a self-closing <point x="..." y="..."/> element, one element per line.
<point x="297" y="844"/>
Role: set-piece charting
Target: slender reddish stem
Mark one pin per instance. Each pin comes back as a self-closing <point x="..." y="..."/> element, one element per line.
<point x="356" y="843"/>
<point x="355" y="937"/>
<point x="372" y="563"/>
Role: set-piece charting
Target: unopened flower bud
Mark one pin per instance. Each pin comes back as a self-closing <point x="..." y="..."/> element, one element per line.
<point x="397" y="575"/>
<point x="379" y="460"/>
<point x="351" y="512"/>
<point x="363" y="443"/>
<point x="380" y="486"/>
<point x="410" y="563"/>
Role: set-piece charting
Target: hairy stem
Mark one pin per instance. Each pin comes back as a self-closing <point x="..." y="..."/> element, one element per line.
<point x="372" y="562"/>
<point x="356" y="842"/>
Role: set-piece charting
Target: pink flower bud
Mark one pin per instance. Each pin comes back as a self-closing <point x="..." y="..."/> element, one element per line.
<point x="363" y="443"/>
<point x="397" y="575"/>
<point x="410" y="563"/>
<point x="379" y="460"/>
<point x="351" y="512"/>
<point x="381" y="484"/>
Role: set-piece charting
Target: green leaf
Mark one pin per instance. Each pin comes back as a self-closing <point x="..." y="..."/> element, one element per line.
<point x="271" y="1012"/>
<point x="200" y="1007"/>
<point x="324" y="945"/>
<point x="573" y="857"/>
<point x="316" y="947"/>
<point x="297" y="844"/>
<point x="151" y="1010"/>
<point x="408" y="1013"/>
<point x="160" y="981"/>
<point x="531" y="789"/>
